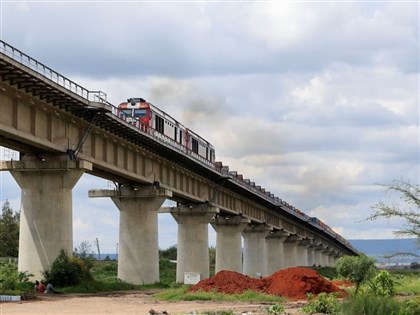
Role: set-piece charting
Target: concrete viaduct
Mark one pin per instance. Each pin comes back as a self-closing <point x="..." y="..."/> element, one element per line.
<point x="63" y="130"/>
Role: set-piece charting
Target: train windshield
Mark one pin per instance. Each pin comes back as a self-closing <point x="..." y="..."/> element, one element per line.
<point x="127" y="112"/>
<point x="140" y="112"/>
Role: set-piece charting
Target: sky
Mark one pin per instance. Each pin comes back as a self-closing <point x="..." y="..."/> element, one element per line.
<point x="315" y="101"/>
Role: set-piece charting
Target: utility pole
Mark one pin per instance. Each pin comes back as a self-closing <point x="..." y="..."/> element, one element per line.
<point x="97" y="246"/>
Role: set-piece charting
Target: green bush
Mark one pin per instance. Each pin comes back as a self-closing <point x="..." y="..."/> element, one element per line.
<point x="68" y="271"/>
<point x="382" y="284"/>
<point x="11" y="279"/>
<point x="326" y="303"/>
<point x="167" y="272"/>
<point x="276" y="309"/>
<point x="377" y="305"/>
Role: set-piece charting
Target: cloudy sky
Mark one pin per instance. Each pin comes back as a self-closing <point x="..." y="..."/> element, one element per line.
<point x="317" y="102"/>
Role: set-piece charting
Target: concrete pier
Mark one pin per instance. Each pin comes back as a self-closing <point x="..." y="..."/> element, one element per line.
<point x="193" y="239"/>
<point x="274" y="251"/>
<point x="138" y="260"/>
<point x="318" y="254"/>
<point x="46" y="225"/>
<point x="229" y="242"/>
<point x="324" y="257"/>
<point x="290" y="251"/>
<point x="302" y="252"/>
<point x="255" y="250"/>
<point x="311" y="254"/>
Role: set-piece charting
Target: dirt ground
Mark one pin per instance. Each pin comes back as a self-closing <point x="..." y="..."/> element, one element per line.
<point x="128" y="303"/>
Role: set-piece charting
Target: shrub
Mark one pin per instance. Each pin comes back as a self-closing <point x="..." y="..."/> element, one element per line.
<point x="382" y="284"/>
<point x="357" y="269"/>
<point x="322" y="303"/>
<point x="276" y="309"/>
<point x="68" y="271"/>
<point x="10" y="278"/>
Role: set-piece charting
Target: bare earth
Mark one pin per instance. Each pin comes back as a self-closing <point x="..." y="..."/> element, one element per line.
<point x="127" y="303"/>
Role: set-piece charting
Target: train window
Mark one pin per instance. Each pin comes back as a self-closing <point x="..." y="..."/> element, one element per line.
<point x="194" y="145"/>
<point x="175" y="133"/>
<point x="180" y="136"/>
<point x="207" y="153"/>
<point x="139" y="113"/>
<point x="127" y="112"/>
<point x="160" y="124"/>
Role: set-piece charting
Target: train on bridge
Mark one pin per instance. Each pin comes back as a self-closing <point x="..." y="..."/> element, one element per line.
<point x="148" y="118"/>
<point x="143" y="116"/>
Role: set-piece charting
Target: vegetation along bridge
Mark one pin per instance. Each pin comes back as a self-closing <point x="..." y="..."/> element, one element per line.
<point x="63" y="130"/>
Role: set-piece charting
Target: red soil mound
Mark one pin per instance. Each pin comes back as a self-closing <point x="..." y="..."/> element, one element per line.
<point x="230" y="282"/>
<point x="293" y="283"/>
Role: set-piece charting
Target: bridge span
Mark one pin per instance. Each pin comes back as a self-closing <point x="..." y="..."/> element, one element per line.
<point x="62" y="130"/>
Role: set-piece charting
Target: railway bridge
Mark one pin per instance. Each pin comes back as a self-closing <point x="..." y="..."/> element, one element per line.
<point x="62" y="131"/>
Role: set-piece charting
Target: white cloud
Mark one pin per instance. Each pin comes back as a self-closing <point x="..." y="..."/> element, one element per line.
<point x="315" y="102"/>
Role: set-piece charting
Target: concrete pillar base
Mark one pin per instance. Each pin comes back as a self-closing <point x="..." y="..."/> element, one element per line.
<point x="228" y="242"/>
<point x="138" y="260"/>
<point x="290" y="251"/>
<point x="255" y="250"/>
<point x="274" y="251"/>
<point x="302" y="253"/>
<point x="193" y="239"/>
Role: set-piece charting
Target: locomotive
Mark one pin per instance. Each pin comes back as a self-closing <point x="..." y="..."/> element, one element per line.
<point x="147" y="117"/>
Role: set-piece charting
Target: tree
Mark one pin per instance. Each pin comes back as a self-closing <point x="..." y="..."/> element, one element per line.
<point x="68" y="271"/>
<point x="169" y="253"/>
<point x="83" y="251"/>
<point x="357" y="269"/>
<point x="9" y="231"/>
<point x="410" y="211"/>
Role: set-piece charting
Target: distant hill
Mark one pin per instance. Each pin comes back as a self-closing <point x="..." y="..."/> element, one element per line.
<point x="380" y="248"/>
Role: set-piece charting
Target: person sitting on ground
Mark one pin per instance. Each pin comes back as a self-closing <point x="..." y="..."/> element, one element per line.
<point x="41" y="287"/>
<point x="36" y="285"/>
<point x="50" y="289"/>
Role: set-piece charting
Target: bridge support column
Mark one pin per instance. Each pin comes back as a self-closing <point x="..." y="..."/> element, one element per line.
<point x="193" y="239"/>
<point x="324" y="257"/>
<point x="331" y="259"/>
<point x="255" y="250"/>
<point x="274" y="251"/>
<point x="311" y="255"/>
<point x="138" y="260"/>
<point x="318" y="255"/>
<point x="228" y="242"/>
<point x="46" y="218"/>
<point x="302" y="253"/>
<point x="290" y="251"/>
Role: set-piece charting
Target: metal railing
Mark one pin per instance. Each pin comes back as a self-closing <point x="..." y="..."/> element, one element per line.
<point x="48" y="73"/>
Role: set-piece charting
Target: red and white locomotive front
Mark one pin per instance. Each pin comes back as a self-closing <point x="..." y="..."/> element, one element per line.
<point x="135" y="110"/>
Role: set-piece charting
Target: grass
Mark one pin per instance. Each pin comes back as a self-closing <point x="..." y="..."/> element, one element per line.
<point x="373" y="305"/>
<point x="407" y="282"/>
<point x="182" y="294"/>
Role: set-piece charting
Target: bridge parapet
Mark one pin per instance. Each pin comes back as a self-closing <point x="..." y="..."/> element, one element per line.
<point x="47" y="72"/>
